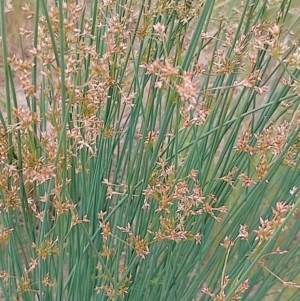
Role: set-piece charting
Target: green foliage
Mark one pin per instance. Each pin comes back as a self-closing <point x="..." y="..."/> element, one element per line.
<point x="156" y="154"/>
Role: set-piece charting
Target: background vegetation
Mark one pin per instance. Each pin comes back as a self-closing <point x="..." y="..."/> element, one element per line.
<point x="149" y="150"/>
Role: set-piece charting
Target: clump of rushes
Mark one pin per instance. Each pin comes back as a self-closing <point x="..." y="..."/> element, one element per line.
<point x="156" y="156"/>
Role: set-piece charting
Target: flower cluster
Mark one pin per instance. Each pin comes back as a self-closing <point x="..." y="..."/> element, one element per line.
<point x="176" y="201"/>
<point x="267" y="146"/>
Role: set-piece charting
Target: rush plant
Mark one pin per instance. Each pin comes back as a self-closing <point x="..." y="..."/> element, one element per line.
<point x="153" y="153"/>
